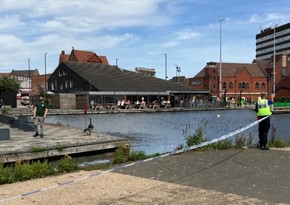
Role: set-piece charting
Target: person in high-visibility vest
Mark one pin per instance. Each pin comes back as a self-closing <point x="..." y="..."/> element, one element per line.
<point x="263" y="110"/>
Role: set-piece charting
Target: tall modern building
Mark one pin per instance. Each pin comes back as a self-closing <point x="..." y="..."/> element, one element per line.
<point x="267" y="39"/>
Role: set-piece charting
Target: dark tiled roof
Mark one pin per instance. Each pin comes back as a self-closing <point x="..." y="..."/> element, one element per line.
<point x="231" y="69"/>
<point x="25" y="72"/>
<point x="264" y="65"/>
<point x="111" y="78"/>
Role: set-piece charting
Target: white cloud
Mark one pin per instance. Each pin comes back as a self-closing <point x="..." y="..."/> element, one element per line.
<point x="171" y="44"/>
<point x="10" y="22"/>
<point x="131" y="30"/>
<point x="186" y="34"/>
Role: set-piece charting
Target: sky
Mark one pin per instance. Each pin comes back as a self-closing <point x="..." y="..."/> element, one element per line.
<point x="135" y="33"/>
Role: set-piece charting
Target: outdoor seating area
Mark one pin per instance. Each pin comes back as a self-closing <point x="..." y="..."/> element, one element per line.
<point x="164" y="104"/>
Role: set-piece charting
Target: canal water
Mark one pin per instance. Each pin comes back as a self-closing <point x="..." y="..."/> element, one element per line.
<point x="163" y="131"/>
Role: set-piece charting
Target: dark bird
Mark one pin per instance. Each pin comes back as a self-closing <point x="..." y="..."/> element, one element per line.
<point x="90" y="128"/>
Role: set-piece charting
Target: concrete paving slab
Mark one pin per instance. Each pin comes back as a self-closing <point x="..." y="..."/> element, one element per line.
<point x="58" y="140"/>
<point x="251" y="173"/>
<point x="210" y="177"/>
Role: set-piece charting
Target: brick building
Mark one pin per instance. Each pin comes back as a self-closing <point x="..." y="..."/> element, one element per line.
<point x="281" y="84"/>
<point x="238" y="80"/>
<point x="246" y="80"/>
<point x="83" y="56"/>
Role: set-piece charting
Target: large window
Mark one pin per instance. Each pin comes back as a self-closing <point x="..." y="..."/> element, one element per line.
<point x="243" y="85"/>
<point x="70" y="83"/>
<point x="55" y="85"/>
<point x="257" y="85"/>
<point x="231" y="85"/>
<point x="263" y="86"/>
<point x="224" y="85"/>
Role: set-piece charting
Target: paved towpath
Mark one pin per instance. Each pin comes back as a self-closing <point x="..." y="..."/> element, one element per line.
<point x="249" y="176"/>
<point x="55" y="137"/>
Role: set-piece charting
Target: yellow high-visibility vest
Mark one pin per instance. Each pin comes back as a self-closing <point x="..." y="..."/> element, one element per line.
<point x="263" y="108"/>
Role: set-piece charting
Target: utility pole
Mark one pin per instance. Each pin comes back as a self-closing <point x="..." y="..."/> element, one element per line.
<point x="165" y="55"/>
<point x="220" y="73"/>
<point x="45" y="79"/>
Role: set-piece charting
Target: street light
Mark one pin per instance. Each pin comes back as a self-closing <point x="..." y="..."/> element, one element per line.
<point x="274" y="62"/>
<point x="165" y="55"/>
<point x="220" y="78"/>
<point x="45" y="80"/>
<point x="29" y="81"/>
<point x="178" y="70"/>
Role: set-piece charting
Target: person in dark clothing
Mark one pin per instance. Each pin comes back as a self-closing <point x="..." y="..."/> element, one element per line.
<point x="1" y="103"/>
<point x="39" y="114"/>
<point x="263" y="110"/>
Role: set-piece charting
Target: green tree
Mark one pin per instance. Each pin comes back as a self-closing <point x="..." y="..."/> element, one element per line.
<point x="8" y="84"/>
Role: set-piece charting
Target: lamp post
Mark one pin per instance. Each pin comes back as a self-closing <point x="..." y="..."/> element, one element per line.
<point x="29" y="81"/>
<point x="178" y="70"/>
<point x="274" y="62"/>
<point x="45" y="80"/>
<point x="165" y="56"/>
<point x="220" y="78"/>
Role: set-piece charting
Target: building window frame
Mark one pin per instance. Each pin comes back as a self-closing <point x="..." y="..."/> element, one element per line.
<point x="257" y="85"/>
<point x="71" y="83"/>
<point x="224" y="85"/>
<point x="263" y="86"/>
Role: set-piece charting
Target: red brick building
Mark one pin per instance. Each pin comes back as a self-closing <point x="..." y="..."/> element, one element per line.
<point x="83" y="56"/>
<point x="245" y="80"/>
<point x="282" y="74"/>
<point x="238" y="80"/>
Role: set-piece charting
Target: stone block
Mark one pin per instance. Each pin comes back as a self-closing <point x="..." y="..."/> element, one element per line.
<point x="14" y="123"/>
<point x="21" y="121"/>
<point x="28" y="127"/>
<point x="4" y="134"/>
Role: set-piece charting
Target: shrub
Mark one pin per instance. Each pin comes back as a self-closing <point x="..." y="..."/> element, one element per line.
<point x="6" y="111"/>
<point x="222" y="145"/>
<point x="198" y="137"/>
<point x="138" y="155"/>
<point x="67" y="164"/>
<point x="42" y="169"/>
<point x="240" y="141"/>
<point x="60" y="147"/>
<point x="37" y="149"/>
<point x="277" y="142"/>
<point x="7" y="175"/>
<point x="250" y="140"/>
<point x="122" y="154"/>
<point x="23" y="172"/>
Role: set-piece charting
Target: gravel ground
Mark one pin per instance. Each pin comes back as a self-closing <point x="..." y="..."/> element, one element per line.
<point x="113" y="188"/>
<point x="212" y="177"/>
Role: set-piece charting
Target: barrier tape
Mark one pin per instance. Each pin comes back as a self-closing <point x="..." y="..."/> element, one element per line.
<point x="98" y="173"/>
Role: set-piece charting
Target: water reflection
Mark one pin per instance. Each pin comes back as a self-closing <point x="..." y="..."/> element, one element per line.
<point x="162" y="132"/>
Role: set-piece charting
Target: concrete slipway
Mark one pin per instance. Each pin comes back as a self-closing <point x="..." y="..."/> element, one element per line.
<point x="58" y="140"/>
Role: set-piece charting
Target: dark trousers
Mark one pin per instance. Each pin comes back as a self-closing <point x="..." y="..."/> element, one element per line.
<point x="264" y="127"/>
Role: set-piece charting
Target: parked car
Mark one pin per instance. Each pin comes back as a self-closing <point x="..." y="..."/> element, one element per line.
<point x="25" y="100"/>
